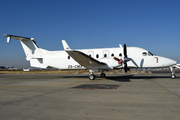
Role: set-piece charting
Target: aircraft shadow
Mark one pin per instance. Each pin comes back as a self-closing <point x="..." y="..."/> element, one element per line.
<point x="152" y="77"/>
<point x="120" y="78"/>
<point x="73" y="76"/>
<point x="115" y="78"/>
<point x="128" y="77"/>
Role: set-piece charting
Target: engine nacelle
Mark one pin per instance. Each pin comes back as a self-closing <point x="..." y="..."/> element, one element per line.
<point x="111" y="62"/>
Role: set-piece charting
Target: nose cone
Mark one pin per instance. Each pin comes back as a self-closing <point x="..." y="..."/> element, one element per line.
<point x="166" y="61"/>
<point x="174" y="62"/>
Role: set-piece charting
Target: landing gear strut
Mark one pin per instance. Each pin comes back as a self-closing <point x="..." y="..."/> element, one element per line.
<point x="91" y="75"/>
<point x="173" y="76"/>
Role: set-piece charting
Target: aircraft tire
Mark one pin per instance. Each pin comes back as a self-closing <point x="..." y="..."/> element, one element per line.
<point x="103" y="75"/>
<point x="173" y="76"/>
<point x="91" y="77"/>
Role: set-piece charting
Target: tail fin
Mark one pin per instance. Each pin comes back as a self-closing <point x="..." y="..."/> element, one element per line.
<point x="32" y="51"/>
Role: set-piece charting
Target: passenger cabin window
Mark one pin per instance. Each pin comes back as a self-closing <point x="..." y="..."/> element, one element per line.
<point x="120" y="54"/>
<point x="144" y="53"/>
<point x="97" y="56"/>
<point x="112" y="55"/>
<point x="68" y="57"/>
<point x="105" y="55"/>
<point x="89" y="55"/>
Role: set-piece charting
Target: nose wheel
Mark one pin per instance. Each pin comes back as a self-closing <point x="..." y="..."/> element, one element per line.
<point x="173" y="76"/>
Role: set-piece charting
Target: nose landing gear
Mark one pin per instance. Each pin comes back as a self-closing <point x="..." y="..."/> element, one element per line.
<point x="173" y="76"/>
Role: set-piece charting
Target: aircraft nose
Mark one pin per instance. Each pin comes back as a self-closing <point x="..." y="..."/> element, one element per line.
<point x="174" y="62"/>
<point x="170" y="61"/>
<point x="165" y="62"/>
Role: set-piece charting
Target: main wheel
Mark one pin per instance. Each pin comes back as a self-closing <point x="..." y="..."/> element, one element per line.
<point x="91" y="77"/>
<point x="103" y="75"/>
<point x="173" y="76"/>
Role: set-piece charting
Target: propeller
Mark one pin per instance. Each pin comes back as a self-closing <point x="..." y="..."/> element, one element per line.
<point x="126" y="59"/>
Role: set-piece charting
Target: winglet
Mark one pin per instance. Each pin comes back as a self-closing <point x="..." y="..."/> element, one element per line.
<point x="8" y="38"/>
<point x="65" y="45"/>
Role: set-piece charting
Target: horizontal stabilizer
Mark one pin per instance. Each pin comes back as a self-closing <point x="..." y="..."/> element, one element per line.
<point x="35" y="57"/>
<point x="37" y="63"/>
<point x="17" y="38"/>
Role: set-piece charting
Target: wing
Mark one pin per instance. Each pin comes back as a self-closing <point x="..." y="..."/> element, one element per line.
<point x="82" y="58"/>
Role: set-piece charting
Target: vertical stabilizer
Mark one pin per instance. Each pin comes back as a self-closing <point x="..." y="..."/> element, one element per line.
<point x="32" y="52"/>
<point x="30" y="48"/>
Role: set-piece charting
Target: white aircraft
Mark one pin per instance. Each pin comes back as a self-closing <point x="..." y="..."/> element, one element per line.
<point x="96" y="60"/>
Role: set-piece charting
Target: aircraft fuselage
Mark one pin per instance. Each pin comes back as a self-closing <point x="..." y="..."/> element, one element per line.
<point x="140" y="58"/>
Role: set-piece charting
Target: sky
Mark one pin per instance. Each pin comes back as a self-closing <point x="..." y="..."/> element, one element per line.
<point x="150" y="24"/>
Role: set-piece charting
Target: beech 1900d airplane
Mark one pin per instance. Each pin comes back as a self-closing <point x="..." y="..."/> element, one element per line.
<point x="96" y="60"/>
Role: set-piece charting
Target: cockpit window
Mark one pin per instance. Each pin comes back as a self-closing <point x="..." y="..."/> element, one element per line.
<point x="144" y="53"/>
<point x="150" y="54"/>
<point x="147" y="54"/>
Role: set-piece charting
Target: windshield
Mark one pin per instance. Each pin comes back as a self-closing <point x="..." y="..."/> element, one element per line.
<point x="150" y="54"/>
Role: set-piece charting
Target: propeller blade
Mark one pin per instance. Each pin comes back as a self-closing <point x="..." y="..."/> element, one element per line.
<point x="125" y="51"/>
<point x="125" y="59"/>
<point x="125" y="67"/>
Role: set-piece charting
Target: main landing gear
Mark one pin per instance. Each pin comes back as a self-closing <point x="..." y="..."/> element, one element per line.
<point x="103" y="75"/>
<point x="92" y="76"/>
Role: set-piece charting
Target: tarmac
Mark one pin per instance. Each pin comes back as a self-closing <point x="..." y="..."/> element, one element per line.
<point x="57" y="97"/>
